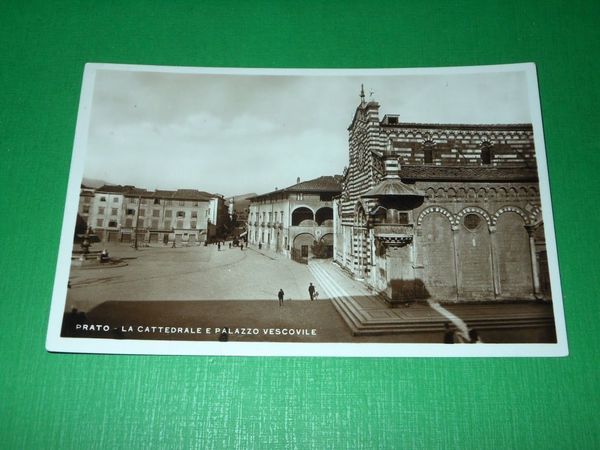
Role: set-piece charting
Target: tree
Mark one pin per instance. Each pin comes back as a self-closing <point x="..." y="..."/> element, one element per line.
<point x="226" y="227"/>
<point x="80" y="227"/>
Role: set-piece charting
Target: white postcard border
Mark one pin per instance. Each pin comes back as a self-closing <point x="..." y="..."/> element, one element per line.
<point x="56" y="343"/>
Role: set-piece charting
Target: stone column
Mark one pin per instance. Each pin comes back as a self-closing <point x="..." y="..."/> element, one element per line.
<point x="357" y="243"/>
<point x="495" y="264"/>
<point x="417" y="255"/>
<point x="372" y="256"/>
<point x="457" y="273"/>
<point x="364" y="251"/>
<point x="535" y="269"/>
<point x="336" y="229"/>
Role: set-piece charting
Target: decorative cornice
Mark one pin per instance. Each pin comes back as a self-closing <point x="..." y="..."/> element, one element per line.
<point x="461" y="126"/>
<point x="394" y="240"/>
<point x="467" y="173"/>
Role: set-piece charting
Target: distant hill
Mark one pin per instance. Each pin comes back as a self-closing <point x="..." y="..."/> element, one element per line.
<point x="241" y="203"/>
<point x="93" y="183"/>
<point x="243" y="196"/>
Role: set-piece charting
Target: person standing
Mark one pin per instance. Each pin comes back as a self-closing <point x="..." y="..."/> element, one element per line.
<point x="280" y="296"/>
<point x="311" y="291"/>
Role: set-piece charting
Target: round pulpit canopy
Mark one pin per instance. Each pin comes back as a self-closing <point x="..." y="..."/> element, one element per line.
<point x="393" y="193"/>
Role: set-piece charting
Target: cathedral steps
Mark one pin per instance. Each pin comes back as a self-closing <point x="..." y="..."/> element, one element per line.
<point x="366" y="313"/>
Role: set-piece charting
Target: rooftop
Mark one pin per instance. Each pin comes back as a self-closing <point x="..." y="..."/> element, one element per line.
<point x="179" y="194"/>
<point x="393" y="121"/>
<point x="392" y="188"/>
<point x="323" y="184"/>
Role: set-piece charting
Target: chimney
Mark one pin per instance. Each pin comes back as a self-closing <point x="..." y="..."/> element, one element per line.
<point x="297" y="180"/>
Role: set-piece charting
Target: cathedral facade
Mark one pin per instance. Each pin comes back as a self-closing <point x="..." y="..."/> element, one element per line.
<point x="448" y="212"/>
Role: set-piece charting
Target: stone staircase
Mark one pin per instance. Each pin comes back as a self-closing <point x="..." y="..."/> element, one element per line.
<point x="366" y="313"/>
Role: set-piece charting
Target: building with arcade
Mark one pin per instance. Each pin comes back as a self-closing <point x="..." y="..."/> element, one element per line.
<point x="296" y="221"/>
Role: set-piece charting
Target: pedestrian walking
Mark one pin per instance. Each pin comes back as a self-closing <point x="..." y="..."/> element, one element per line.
<point x="448" y="334"/>
<point x="280" y="296"/>
<point x="311" y="291"/>
<point x="474" y="337"/>
<point x="242" y="246"/>
<point x="219" y="246"/>
<point x="224" y="336"/>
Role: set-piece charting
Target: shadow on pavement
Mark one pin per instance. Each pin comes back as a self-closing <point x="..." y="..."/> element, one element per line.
<point x="266" y="321"/>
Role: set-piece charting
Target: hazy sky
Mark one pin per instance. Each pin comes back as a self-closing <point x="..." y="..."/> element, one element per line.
<point x="233" y="134"/>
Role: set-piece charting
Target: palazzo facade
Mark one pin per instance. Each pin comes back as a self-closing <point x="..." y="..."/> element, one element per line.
<point x="296" y="221"/>
<point x="119" y="213"/>
<point x="441" y="211"/>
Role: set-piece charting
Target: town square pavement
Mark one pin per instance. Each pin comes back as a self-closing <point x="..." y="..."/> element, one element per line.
<point x="187" y="273"/>
<point x="234" y="288"/>
<point x="202" y="286"/>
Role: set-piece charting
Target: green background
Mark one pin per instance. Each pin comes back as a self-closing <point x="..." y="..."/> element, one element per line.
<point x="98" y="401"/>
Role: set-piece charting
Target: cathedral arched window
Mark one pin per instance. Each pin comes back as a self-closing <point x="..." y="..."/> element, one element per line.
<point x="428" y="151"/>
<point x="486" y="153"/>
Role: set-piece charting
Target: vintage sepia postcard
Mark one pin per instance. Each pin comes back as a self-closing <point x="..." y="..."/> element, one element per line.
<point x="392" y="212"/>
